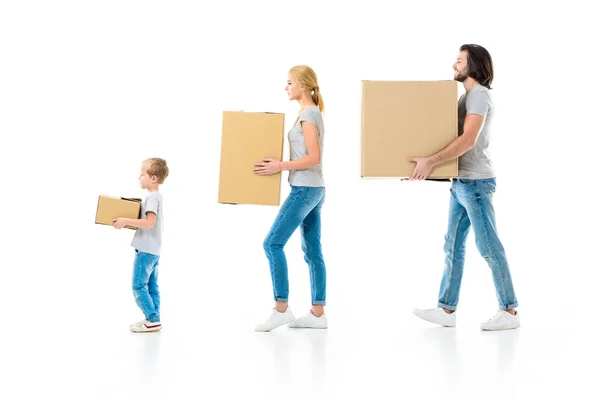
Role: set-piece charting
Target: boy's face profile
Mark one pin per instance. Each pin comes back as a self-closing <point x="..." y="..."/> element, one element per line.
<point x="146" y="180"/>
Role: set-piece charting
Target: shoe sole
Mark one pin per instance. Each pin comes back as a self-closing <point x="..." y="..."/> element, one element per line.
<point x="145" y="330"/>
<point x="307" y="327"/>
<point x="433" y="322"/>
<point x="269" y="330"/>
<point x="500" y="329"/>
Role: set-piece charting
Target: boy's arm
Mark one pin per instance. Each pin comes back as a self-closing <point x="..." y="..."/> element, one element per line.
<point x="146" y="223"/>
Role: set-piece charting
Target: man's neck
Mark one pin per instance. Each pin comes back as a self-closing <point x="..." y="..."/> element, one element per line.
<point x="469" y="84"/>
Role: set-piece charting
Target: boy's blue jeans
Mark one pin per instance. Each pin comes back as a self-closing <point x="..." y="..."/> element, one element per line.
<point x="145" y="285"/>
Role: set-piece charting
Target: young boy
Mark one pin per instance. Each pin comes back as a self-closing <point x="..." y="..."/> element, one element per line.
<point x="146" y="241"/>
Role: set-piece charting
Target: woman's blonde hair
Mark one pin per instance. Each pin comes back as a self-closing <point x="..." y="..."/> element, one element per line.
<point x="307" y="78"/>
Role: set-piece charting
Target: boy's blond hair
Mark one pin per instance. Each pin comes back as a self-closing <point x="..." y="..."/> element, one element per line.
<point x="158" y="167"/>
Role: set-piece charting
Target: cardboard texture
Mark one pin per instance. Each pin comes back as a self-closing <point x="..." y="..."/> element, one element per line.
<point x="402" y="119"/>
<point x="110" y="207"/>
<point x="247" y="138"/>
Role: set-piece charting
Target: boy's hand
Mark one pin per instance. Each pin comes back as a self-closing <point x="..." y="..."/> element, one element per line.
<point x="120" y="223"/>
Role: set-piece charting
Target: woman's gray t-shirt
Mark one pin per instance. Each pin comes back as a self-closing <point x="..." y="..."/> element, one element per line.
<point x="310" y="176"/>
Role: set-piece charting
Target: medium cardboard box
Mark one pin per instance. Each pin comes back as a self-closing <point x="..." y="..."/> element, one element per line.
<point x="247" y="138"/>
<point x="402" y="119"/>
<point x="110" y="207"/>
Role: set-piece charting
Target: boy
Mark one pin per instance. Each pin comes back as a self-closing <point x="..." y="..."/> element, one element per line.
<point x="147" y="241"/>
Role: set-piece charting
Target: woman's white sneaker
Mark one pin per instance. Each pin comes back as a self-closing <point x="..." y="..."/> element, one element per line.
<point x="437" y="316"/>
<point x="310" y="321"/>
<point x="501" y="321"/>
<point x="275" y="320"/>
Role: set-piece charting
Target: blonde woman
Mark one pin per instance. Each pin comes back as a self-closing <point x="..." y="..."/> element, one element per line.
<point x="303" y="206"/>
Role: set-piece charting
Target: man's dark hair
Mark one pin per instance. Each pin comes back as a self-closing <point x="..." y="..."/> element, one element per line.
<point x="481" y="67"/>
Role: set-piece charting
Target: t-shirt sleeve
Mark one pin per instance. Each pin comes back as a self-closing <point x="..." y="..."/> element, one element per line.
<point x="478" y="103"/>
<point x="152" y="205"/>
<point x="310" y="115"/>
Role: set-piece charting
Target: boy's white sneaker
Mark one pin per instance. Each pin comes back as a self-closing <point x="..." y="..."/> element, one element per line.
<point x="437" y="316"/>
<point x="275" y="320"/>
<point x="145" y="326"/>
<point x="501" y="321"/>
<point x="310" y="321"/>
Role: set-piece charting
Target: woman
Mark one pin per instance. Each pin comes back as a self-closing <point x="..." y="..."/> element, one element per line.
<point x="302" y="208"/>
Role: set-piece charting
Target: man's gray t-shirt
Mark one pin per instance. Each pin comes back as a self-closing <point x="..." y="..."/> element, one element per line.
<point x="310" y="176"/>
<point x="476" y="163"/>
<point x="149" y="240"/>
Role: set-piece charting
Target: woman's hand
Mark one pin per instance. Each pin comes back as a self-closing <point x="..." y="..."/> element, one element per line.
<point x="268" y="166"/>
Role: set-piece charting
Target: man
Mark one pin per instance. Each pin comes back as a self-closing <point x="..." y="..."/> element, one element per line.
<point x="471" y="195"/>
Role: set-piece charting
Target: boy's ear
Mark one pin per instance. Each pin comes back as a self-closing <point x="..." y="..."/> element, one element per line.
<point x="154" y="178"/>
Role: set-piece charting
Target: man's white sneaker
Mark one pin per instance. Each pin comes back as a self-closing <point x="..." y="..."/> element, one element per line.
<point x="437" y="316"/>
<point x="310" y="321"/>
<point x="145" y="326"/>
<point x="501" y="321"/>
<point x="275" y="320"/>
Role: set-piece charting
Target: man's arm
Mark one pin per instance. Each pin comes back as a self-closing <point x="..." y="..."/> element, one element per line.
<point x="478" y="104"/>
<point x="458" y="147"/>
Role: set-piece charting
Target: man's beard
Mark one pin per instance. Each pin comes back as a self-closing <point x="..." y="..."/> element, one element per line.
<point x="461" y="77"/>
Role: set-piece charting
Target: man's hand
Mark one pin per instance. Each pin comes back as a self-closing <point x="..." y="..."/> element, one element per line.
<point x="422" y="169"/>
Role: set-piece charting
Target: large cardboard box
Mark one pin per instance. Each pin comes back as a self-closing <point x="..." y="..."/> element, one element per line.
<point x="247" y="138"/>
<point x="110" y="207"/>
<point x="402" y="119"/>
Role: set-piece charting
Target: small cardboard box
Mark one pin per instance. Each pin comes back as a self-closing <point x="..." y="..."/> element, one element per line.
<point x="110" y="207"/>
<point x="402" y="119"/>
<point x="247" y="138"/>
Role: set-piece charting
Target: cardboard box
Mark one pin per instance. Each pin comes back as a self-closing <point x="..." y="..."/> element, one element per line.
<point x="247" y="138"/>
<point x="110" y="207"/>
<point x="402" y="119"/>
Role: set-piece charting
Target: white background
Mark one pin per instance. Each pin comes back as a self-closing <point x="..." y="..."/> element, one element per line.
<point x="90" y="89"/>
